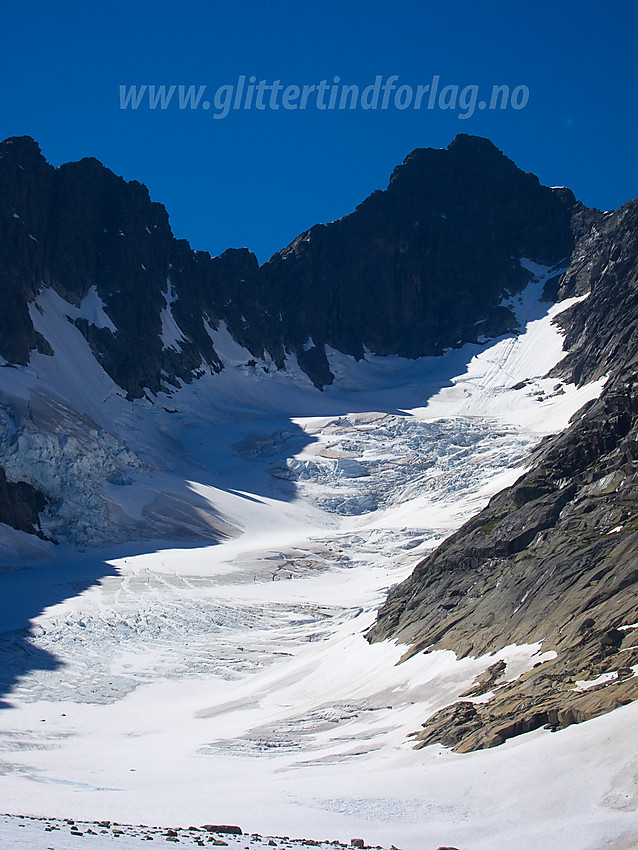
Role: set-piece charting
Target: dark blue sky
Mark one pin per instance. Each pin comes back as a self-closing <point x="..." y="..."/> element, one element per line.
<point x="259" y="177"/>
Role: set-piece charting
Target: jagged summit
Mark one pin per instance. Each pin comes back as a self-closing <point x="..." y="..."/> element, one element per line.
<point x="20" y="147"/>
<point x="474" y="149"/>
<point x="415" y="269"/>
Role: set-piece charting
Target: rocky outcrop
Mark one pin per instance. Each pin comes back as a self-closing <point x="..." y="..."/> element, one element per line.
<point x="21" y="505"/>
<point x="553" y="558"/>
<point x="523" y="707"/>
<point x="79" y="226"/>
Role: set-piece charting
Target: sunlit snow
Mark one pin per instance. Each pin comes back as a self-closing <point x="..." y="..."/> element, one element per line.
<point x="224" y="677"/>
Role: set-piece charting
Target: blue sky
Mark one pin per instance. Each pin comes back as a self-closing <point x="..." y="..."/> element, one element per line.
<point x="257" y="178"/>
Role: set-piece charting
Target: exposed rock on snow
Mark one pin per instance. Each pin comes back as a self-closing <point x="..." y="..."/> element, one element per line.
<point x="20" y="505"/>
<point x="552" y="558"/>
<point x="97" y="834"/>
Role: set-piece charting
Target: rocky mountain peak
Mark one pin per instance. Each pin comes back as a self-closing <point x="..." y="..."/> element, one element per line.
<point x="22" y="149"/>
<point x="415" y="269"/>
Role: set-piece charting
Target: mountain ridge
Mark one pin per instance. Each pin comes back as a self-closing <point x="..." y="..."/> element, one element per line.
<point x="347" y="284"/>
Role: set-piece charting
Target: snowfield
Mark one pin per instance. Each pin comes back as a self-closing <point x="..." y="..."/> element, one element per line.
<point x="222" y="676"/>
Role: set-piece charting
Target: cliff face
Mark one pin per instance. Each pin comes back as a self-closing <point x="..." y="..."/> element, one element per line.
<point x="21" y="505"/>
<point x="423" y="265"/>
<point x="553" y="558"/>
<point x="416" y="268"/>
<point x="78" y="227"/>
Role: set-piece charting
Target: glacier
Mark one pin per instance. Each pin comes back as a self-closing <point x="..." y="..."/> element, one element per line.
<point x="192" y="648"/>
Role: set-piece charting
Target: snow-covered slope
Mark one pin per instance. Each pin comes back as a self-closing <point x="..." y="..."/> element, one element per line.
<point x="115" y="469"/>
<point x="230" y="681"/>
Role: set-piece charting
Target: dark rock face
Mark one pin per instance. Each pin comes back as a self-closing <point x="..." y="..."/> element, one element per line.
<point x="552" y="558"/>
<point x="21" y="505"/>
<point x="416" y="268"/>
<point x="80" y="226"/>
<point x="423" y="265"/>
<point x="24" y="177"/>
<point x="602" y="338"/>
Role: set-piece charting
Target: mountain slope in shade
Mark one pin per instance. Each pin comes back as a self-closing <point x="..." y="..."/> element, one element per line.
<point x="553" y="557"/>
<point x="424" y="266"/>
<point x="417" y="268"/>
<point x="87" y="233"/>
